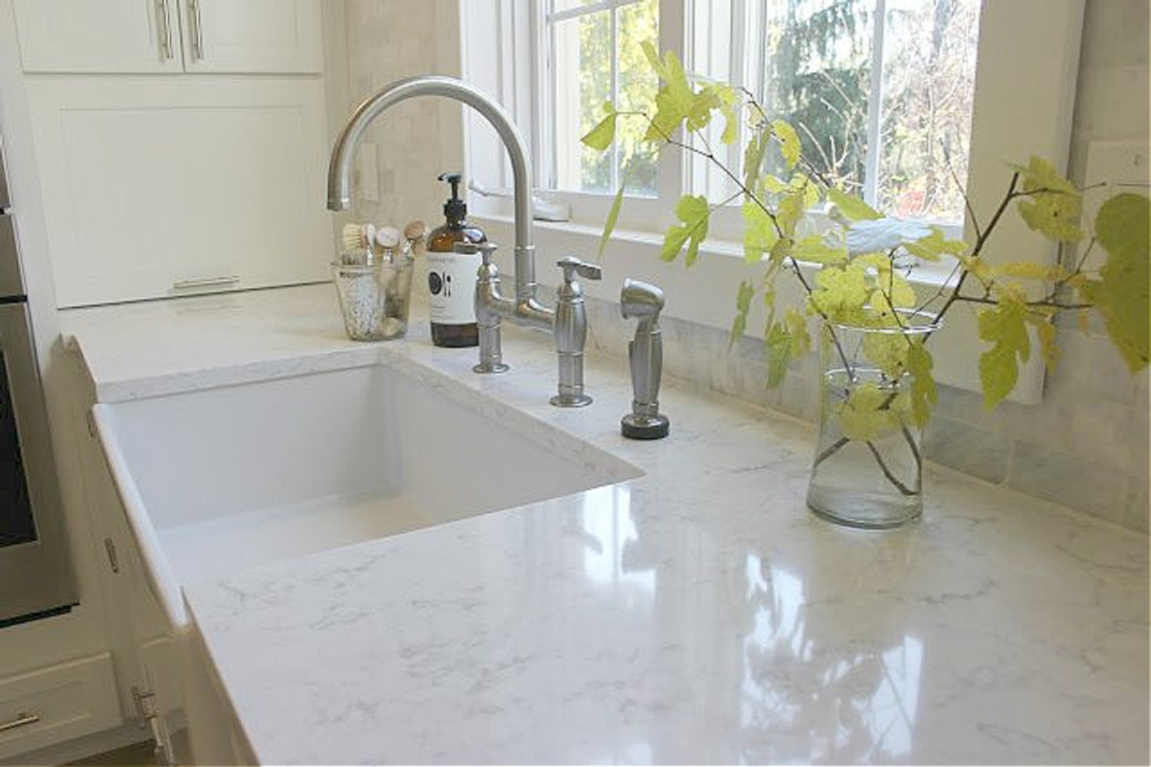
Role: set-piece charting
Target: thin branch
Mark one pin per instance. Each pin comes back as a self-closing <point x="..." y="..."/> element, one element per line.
<point x="831" y="450"/>
<point x="887" y="472"/>
<point x="981" y="241"/>
<point x="941" y="289"/>
<point x="966" y="201"/>
<point x="910" y="438"/>
<point x="1041" y="304"/>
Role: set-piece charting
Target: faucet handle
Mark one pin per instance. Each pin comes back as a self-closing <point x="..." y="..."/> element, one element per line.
<point x="572" y="266"/>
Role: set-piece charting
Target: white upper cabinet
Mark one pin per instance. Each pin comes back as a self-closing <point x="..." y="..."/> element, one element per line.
<point x="137" y="36"/>
<point x="252" y="36"/>
<point x="103" y="36"/>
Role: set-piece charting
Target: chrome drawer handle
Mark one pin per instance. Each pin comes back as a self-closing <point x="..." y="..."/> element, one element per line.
<point x="21" y="720"/>
<point x="206" y="282"/>
<point x="166" y="38"/>
<point x="197" y="32"/>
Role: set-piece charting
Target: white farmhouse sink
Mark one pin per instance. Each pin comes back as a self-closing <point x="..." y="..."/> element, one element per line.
<point x="218" y="480"/>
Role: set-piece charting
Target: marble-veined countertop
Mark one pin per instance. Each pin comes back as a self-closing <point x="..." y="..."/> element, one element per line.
<point x="697" y="614"/>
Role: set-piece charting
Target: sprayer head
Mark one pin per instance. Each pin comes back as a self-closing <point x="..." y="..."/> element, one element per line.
<point x="639" y="300"/>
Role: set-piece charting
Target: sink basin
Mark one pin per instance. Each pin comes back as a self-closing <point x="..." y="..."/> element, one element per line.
<point x="219" y="480"/>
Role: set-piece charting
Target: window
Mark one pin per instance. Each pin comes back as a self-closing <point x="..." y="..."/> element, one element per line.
<point x="560" y="61"/>
<point x="883" y="109"/>
<point x="909" y="84"/>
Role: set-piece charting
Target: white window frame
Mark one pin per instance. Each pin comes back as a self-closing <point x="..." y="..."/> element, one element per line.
<point x="1026" y="77"/>
<point x="517" y="28"/>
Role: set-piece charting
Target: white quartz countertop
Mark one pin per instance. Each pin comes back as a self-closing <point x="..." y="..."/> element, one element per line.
<point x="697" y="614"/>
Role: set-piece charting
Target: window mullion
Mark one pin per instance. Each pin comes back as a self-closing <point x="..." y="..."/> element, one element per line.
<point x="553" y="159"/>
<point x="875" y="107"/>
<point x="615" y="179"/>
<point x="737" y="69"/>
<point x="542" y="85"/>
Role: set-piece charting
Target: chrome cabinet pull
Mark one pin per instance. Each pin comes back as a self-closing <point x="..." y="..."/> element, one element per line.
<point x="22" y="720"/>
<point x="166" y="31"/>
<point x="206" y="282"/>
<point x="196" y="29"/>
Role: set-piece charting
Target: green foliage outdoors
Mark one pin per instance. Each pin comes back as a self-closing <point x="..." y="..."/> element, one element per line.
<point x="861" y="281"/>
<point x="637" y="84"/>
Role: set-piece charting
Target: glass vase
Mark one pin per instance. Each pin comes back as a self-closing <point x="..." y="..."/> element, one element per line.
<point x="868" y="467"/>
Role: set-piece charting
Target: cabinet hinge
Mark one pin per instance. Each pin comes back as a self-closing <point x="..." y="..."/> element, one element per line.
<point x="145" y="701"/>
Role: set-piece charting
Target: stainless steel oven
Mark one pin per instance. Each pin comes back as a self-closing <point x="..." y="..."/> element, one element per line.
<point x="35" y="572"/>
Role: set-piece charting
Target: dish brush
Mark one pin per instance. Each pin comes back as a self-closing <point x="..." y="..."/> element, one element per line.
<point x="414" y="232"/>
<point x="388" y="238"/>
<point x="358" y="242"/>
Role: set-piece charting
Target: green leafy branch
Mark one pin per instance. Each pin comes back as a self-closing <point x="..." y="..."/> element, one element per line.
<point x="862" y="277"/>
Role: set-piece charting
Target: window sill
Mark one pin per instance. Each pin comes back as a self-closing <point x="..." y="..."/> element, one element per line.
<point x="932" y="276"/>
<point x="705" y="294"/>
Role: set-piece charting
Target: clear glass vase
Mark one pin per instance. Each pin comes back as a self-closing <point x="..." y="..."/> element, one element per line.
<point x="868" y="467"/>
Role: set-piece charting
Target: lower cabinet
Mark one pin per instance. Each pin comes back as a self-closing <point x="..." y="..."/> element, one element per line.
<point x="47" y="706"/>
<point x="165" y="186"/>
<point x="166" y="679"/>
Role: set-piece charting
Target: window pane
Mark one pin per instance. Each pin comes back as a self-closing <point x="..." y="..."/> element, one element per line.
<point x="929" y="81"/>
<point x="635" y="91"/>
<point x="816" y="60"/>
<point x="582" y="59"/>
<point x="818" y="70"/>
<point x="585" y="78"/>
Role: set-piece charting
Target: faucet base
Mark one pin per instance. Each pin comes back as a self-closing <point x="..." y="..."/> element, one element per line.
<point x="644" y="427"/>
<point x="490" y="368"/>
<point x="571" y="400"/>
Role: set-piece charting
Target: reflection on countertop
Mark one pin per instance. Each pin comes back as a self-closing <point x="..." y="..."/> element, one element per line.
<point x="696" y="614"/>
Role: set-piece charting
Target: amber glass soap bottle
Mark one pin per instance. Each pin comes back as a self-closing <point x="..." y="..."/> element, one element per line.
<point x="452" y="276"/>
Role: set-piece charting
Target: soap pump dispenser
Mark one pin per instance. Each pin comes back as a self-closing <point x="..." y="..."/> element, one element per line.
<point x="452" y="274"/>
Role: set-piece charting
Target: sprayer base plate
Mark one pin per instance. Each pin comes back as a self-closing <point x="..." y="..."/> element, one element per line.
<point x="644" y="427"/>
<point x="571" y="400"/>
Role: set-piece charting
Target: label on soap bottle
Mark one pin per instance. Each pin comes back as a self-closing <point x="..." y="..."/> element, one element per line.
<point x="452" y="287"/>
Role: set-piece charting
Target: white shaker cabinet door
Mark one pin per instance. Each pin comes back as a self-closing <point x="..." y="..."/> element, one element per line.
<point x="255" y="36"/>
<point x="105" y="36"/>
<point x="157" y="187"/>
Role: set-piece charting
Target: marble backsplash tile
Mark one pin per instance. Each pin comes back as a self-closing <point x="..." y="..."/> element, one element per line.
<point x="1085" y="447"/>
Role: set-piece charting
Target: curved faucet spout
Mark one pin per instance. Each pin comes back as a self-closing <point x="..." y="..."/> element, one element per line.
<point x="526" y="308"/>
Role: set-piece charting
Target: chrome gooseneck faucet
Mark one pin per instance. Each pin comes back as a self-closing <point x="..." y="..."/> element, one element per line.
<point x="524" y="309"/>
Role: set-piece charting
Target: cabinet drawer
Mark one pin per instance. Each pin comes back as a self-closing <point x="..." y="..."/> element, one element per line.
<point x="54" y="704"/>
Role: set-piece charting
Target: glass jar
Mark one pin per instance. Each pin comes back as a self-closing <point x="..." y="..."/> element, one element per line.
<point x="375" y="296"/>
